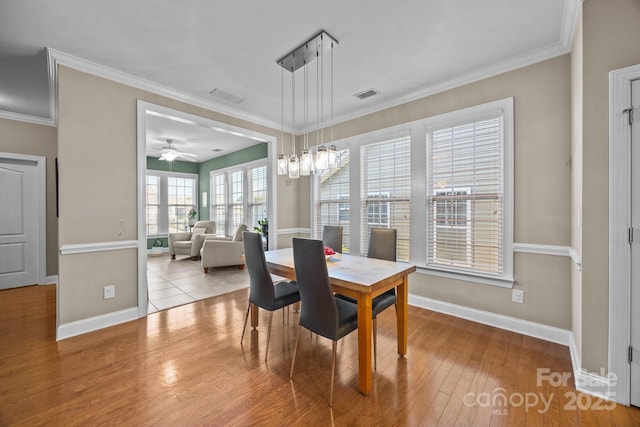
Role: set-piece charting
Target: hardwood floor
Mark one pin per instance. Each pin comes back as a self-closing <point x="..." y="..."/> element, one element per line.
<point x="185" y="366"/>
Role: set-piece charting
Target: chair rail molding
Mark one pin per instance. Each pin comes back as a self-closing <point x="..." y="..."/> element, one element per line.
<point x="83" y="248"/>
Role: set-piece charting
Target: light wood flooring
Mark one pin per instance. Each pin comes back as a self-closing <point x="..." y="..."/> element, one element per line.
<point x="185" y="366"/>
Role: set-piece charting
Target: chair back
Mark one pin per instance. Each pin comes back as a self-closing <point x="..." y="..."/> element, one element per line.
<point x="261" y="291"/>
<point x="382" y="244"/>
<point x="332" y="237"/>
<point x="318" y="309"/>
<point x="209" y="226"/>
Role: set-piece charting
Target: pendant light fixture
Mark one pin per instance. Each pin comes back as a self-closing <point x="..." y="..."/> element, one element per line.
<point x="298" y="58"/>
<point x="282" y="160"/>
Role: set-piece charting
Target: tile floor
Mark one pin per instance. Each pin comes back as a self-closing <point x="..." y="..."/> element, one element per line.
<point x="176" y="282"/>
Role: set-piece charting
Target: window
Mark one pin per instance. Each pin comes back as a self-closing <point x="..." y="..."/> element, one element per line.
<point x="153" y="203"/>
<point x="465" y="195"/>
<point x="386" y="182"/>
<point x="257" y="194"/>
<point x="332" y="198"/>
<point x="239" y="196"/>
<point x="219" y="204"/>
<point x="169" y="198"/>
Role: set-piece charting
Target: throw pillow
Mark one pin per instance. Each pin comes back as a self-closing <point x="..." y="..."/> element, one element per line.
<point x="237" y="237"/>
<point x="197" y="230"/>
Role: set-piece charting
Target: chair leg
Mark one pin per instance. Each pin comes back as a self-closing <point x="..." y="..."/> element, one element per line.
<point x="295" y="350"/>
<point x="245" y="322"/>
<point x="375" y="344"/>
<point x="268" y="336"/>
<point x="333" y="371"/>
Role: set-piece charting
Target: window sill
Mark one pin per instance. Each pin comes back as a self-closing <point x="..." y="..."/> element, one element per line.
<point x="500" y="282"/>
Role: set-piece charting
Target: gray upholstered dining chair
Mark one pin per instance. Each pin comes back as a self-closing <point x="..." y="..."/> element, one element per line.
<point x="382" y="245"/>
<point x="262" y="292"/>
<point x="332" y="237"/>
<point x="320" y="311"/>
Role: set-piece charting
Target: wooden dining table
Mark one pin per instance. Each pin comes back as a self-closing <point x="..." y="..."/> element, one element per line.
<point x="361" y="279"/>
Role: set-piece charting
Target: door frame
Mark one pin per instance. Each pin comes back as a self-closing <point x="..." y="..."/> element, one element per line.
<point x="272" y="154"/>
<point x="619" y="222"/>
<point x="41" y="170"/>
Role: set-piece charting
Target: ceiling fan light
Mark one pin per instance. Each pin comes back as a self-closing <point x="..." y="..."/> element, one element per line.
<point x="169" y="156"/>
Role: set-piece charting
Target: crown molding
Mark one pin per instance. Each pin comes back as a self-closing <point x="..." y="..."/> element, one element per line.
<point x="86" y="66"/>
<point x="9" y="115"/>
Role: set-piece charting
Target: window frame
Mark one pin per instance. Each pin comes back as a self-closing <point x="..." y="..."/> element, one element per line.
<point x="163" y="207"/>
<point x="418" y="204"/>
<point x="246" y="204"/>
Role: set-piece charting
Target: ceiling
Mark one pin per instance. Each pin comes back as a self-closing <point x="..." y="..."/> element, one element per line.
<point x="403" y="49"/>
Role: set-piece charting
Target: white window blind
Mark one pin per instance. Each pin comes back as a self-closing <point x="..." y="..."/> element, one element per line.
<point x="153" y="204"/>
<point x="257" y="195"/>
<point x="219" y="204"/>
<point x="465" y="196"/>
<point x="236" y="199"/>
<point x="386" y="190"/>
<point x="332" y="198"/>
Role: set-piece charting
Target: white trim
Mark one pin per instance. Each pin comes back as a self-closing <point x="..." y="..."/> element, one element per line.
<point x="163" y="250"/>
<point x="531" y="248"/>
<point x="619" y="221"/>
<point x="85" y="248"/>
<point x="141" y="185"/>
<point x="524" y="327"/>
<point x="585" y="382"/>
<point x="569" y="20"/>
<point x="91" y="324"/>
<point x="86" y="66"/>
<point x="52" y="72"/>
<point x="51" y="280"/>
<point x="282" y="231"/>
<point x="9" y="115"/>
<point x="500" y="282"/>
<point x="576" y="258"/>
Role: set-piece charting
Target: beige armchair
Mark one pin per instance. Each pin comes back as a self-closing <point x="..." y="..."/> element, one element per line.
<point x="190" y="243"/>
<point x="223" y="251"/>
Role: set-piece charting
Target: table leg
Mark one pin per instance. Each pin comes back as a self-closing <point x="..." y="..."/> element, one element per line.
<point x="364" y="342"/>
<point x="254" y="316"/>
<point x="402" y="295"/>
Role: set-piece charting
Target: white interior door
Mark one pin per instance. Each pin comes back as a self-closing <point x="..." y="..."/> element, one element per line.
<point x="635" y="245"/>
<point x="19" y="226"/>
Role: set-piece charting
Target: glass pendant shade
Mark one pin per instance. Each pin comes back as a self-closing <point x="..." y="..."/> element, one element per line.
<point x="306" y="163"/>
<point x="332" y="155"/>
<point x="294" y="166"/>
<point x="282" y="164"/>
<point x="322" y="158"/>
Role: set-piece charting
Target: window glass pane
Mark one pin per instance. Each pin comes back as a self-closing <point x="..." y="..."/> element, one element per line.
<point x="465" y="196"/>
<point x="332" y="198"/>
<point x="386" y="183"/>
<point x="181" y="196"/>
<point x="152" y="203"/>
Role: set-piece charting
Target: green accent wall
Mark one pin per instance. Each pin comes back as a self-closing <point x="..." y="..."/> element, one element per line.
<point x="175" y="166"/>
<point x="255" y="152"/>
<point x="152" y="240"/>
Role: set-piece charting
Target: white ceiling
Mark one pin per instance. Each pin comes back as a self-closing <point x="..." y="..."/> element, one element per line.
<point x="404" y="49"/>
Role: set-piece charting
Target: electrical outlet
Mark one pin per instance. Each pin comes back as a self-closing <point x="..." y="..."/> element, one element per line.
<point x="517" y="295"/>
<point x="109" y="292"/>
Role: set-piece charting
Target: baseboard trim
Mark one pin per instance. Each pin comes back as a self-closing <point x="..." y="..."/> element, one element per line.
<point x="525" y="327"/>
<point x="51" y="280"/>
<point x="79" y="327"/>
<point x="161" y="251"/>
<point x="586" y="382"/>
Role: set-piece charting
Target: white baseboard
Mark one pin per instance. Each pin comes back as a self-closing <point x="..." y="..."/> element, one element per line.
<point x="51" y="280"/>
<point x="71" y="329"/>
<point x="585" y="382"/>
<point x="161" y="251"/>
<point x="525" y="327"/>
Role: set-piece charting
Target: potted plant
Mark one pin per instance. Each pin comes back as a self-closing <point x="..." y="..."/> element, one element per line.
<point x="263" y="227"/>
<point x="156" y="248"/>
<point x="192" y="217"/>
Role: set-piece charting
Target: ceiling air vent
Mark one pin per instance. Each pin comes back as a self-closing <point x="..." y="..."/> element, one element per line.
<point x="217" y="150"/>
<point x="366" y="94"/>
<point x="219" y="93"/>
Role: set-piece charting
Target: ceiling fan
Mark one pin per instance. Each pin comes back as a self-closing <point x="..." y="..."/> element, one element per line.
<point x="170" y="154"/>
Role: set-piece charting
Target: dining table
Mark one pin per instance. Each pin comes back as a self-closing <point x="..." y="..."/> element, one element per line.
<point x="362" y="279"/>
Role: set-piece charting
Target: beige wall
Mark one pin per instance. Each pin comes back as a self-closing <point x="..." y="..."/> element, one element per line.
<point x="542" y="187"/>
<point x="611" y="30"/>
<point x="97" y="158"/>
<point x="37" y="140"/>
